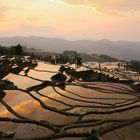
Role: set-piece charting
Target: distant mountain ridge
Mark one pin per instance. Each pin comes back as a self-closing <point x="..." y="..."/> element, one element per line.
<point x="118" y="49"/>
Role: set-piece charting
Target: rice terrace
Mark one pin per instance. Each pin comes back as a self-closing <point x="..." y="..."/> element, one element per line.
<point x="69" y="69"/>
<point x="43" y="101"/>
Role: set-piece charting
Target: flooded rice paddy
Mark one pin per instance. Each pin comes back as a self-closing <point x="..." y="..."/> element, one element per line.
<point x="73" y="112"/>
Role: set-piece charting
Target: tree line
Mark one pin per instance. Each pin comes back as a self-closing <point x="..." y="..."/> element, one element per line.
<point x="58" y="58"/>
<point x="12" y="50"/>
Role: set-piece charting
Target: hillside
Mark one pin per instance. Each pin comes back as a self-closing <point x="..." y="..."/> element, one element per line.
<point x="119" y="49"/>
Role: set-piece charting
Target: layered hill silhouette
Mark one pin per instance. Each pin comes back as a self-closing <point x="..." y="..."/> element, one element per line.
<point x="125" y="50"/>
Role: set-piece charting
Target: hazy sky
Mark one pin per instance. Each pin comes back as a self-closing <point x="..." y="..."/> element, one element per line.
<point x="71" y="19"/>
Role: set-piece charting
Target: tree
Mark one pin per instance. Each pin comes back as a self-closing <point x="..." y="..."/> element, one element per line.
<point x="135" y="65"/>
<point x="79" y="61"/>
<point x="18" y="49"/>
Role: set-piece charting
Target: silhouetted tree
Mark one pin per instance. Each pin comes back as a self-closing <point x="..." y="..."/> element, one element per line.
<point x="79" y="61"/>
<point x="135" y="65"/>
<point x="18" y="49"/>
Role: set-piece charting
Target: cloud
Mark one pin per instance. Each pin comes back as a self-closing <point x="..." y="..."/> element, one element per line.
<point x="34" y="29"/>
<point x="3" y="12"/>
<point x="3" y="9"/>
<point x="110" y="6"/>
<point x="34" y="19"/>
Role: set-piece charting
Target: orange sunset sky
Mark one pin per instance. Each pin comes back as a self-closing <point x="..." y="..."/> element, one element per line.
<point x="71" y="19"/>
